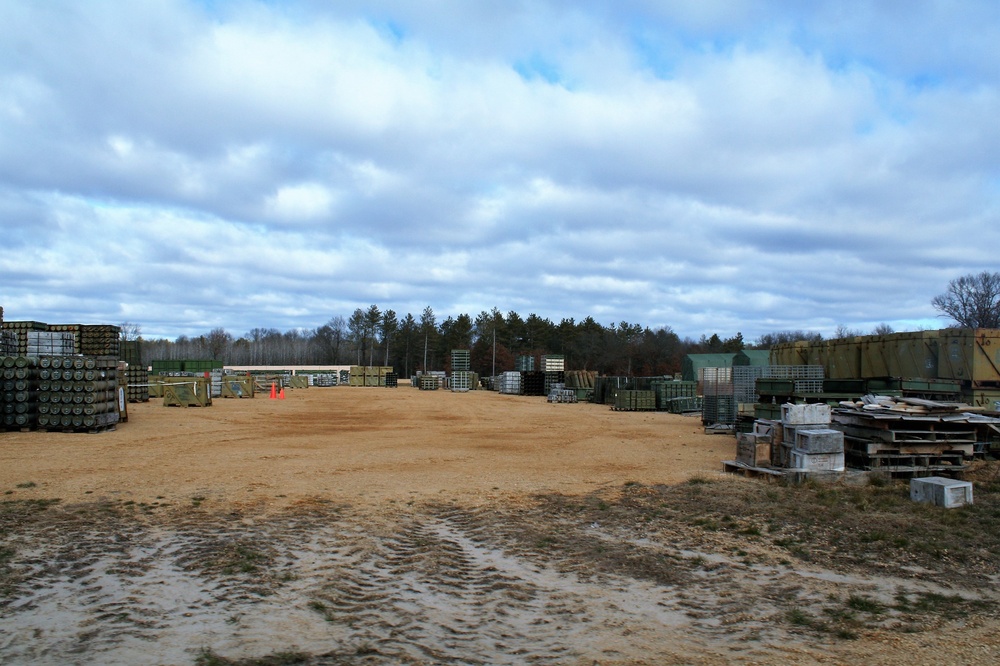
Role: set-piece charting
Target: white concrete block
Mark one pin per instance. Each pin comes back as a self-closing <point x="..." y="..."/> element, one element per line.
<point x="816" y="462"/>
<point x="941" y="491"/>
<point x="819" y="440"/>
<point x="814" y="414"/>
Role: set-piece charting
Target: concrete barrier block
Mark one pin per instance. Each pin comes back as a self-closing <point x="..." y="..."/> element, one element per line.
<point x="941" y="491"/>
<point x="819" y="440"/>
<point x="814" y="414"/>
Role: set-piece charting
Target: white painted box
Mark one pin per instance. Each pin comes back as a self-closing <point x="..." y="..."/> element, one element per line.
<point x="941" y="491"/>
<point x="814" y="414"/>
<point x="816" y="462"/>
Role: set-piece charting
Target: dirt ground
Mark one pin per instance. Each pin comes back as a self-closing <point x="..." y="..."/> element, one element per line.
<point x="370" y="526"/>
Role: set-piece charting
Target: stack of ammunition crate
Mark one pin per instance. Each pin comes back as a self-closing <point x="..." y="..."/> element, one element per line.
<point x="634" y="401"/>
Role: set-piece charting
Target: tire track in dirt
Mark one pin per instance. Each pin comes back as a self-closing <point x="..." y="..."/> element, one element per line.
<point x="492" y="584"/>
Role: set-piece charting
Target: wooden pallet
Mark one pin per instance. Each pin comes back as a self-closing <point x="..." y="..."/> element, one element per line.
<point x="908" y="463"/>
<point x="736" y="467"/>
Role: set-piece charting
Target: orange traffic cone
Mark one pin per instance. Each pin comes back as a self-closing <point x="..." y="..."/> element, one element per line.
<point x="273" y="392"/>
<point x="281" y="396"/>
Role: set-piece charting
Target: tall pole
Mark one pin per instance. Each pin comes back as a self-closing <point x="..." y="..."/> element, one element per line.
<point x="494" y="351"/>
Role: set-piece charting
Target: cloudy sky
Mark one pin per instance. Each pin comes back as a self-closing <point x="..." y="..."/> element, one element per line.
<point x="709" y="166"/>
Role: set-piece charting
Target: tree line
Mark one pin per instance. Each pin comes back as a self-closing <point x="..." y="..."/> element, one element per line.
<point x="412" y="343"/>
<point x="409" y="343"/>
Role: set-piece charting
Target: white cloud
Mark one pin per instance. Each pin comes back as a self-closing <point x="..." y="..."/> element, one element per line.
<point x="307" y="201"/>
<point x="690" y="165"/>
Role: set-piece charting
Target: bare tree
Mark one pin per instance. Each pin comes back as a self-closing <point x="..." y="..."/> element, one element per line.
<point x="844" y="332"/>
<point x="218" y="342"/>
<point x="972" y="301"/>
<point x="129" y="331"/>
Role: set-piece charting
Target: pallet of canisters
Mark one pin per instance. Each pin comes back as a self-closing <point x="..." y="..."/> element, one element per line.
<point x="100" y="340"/>
<point x="78" y="394"/>
<point x="137" y="383"/>
<point x="391" y="380"/>
<point x="18" y="392"/>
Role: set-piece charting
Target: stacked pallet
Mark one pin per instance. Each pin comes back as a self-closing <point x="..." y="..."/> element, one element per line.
<point x="524" y="363"/>
<point x="391" y="380"/>
<point x="509" y="383"/>
<point x="553" y="363"/>
<point x="368" y="375"/>
<point x="533" y="383"/>
<point x="676" y="396"/>
<point x="137" y="384"/>
<point x="326" y="380"/>
<point x="72" y="330"/>
<point x="719" y="404"/>
<point x="460" y="360"/>
<point x="131" y="352"/>
<point x="18" y="399"/>
<point x="428" y="382"/>
<point x="100" y="340"/>
<point x="8" y="340"/>
<point x="78" y="394"/>
<point x="559" y="393"/>
<point x="904" y="436"/>
<point x="461" y="381"/>
<point x="19" y="331"/>
<point x="552" y="378"/>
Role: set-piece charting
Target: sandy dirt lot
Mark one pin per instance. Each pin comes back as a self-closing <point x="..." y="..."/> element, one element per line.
<point x="371" y="526"/>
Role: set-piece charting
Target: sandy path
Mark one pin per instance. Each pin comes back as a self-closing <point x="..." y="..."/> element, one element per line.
<point x="361" y="445"/>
